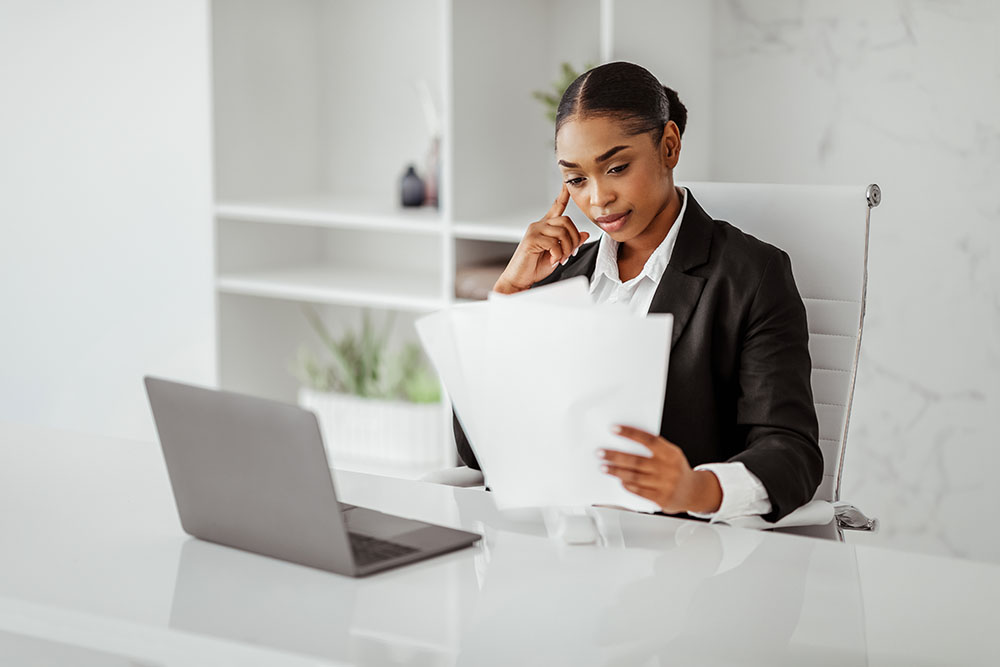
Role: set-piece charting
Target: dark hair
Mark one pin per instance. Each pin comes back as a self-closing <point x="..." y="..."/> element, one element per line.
<point x="627" y="92"/>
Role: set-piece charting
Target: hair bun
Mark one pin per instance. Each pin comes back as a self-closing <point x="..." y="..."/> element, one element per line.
<point x="678" y="112"/>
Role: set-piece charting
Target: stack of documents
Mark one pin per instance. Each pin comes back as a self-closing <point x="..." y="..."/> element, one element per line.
<point x="538" y="379"/>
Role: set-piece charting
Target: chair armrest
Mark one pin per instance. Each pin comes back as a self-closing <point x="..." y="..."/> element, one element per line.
<point x="459" y="476"/>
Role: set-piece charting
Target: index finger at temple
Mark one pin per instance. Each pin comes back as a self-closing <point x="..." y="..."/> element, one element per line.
<point x="567" y="223"/>
<point x="559" y="205"/>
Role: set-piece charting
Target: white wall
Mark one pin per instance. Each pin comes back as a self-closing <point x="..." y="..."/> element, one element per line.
<point x="673" y="39"/>
<point x="105" y="182"/>
<point x="904" y="94"/>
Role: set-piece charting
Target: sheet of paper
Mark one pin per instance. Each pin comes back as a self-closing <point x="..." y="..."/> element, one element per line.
<point x="815" y="513"/>
<point x="539" y="378"/>
<point x="468" y="326"/>
<point x="452" y="340"/>
<point x="556" y="380"/>
<point x="570" y="292"/>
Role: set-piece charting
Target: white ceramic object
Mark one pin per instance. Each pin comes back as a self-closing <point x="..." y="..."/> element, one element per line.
<point x="375" y="430"/>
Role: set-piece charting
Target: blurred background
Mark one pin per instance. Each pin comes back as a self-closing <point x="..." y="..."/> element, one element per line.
<point x="179" y="179"/>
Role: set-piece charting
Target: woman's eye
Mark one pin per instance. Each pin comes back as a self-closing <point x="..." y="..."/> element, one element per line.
<point x="619" y="169"/>
<point x="575" y="181"/>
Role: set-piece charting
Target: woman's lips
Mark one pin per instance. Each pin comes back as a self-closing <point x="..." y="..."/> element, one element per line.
<point x="612" y="223"/>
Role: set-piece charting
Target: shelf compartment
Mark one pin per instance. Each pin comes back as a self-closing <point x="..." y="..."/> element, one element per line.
<point x="260" y="340"/>
<point x="318" y="95"/>
<point x="399" y="290"/>
<point x="333" y="211"/>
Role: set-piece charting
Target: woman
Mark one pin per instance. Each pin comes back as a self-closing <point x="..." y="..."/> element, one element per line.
<point x="739" y="431"/>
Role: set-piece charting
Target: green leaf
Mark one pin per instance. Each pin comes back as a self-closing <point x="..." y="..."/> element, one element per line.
<point x="360" y="363"/>
<point x="551" y="100"/>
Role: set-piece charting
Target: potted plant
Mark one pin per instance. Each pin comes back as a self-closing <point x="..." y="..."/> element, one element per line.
<point x="550" y="99"/>
<point x="373" y="404"/>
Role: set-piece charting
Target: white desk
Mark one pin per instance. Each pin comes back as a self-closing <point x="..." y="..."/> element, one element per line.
<point x="94" y="570"/>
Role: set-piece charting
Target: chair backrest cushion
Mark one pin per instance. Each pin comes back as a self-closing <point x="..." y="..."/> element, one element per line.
<point x="824" y="231"/>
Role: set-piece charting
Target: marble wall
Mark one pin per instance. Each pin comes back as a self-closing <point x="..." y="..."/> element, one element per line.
<point x="904" y="93"/>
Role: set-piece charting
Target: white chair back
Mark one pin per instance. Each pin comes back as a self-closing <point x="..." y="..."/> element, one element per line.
<point x="824" y="230"/>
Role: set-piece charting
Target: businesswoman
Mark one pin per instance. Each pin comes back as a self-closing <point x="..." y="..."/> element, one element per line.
<point x="739" y="431"/>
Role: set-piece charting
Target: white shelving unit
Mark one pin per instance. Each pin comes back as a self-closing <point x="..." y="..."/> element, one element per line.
<point x="507" y="229"/>
<point x="316" y="116"/>
<point x="355" y="286"/>
<point x="332" y="211"/>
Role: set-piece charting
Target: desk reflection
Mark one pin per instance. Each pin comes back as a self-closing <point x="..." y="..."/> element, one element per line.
<point x="663" y="592"/>
<point x="652" y="591"/>
<point x="401" y="616"/>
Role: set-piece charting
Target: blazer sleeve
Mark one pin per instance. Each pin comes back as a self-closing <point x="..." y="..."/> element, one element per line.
<point x="462" y="443"/>
<point x="774" y="408"/>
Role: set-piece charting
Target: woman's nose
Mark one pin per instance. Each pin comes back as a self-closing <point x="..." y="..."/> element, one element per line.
<point x="601" y="195"/>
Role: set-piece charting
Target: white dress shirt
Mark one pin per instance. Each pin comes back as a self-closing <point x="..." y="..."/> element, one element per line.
<point x="743" y="494"/>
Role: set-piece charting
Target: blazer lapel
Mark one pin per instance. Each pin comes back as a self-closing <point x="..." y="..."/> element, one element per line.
<point x="678" y="291"/>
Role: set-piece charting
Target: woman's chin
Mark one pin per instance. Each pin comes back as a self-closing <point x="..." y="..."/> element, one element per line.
<point x="625" y="233"/>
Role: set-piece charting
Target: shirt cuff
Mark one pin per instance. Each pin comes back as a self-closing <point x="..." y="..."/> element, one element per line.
<point x="743" y="494"/>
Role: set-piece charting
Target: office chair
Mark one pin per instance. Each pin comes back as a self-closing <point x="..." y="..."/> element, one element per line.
<point x="824" y="230"/>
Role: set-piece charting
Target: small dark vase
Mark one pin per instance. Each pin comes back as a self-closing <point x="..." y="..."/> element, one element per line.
<point x="412" y="188"/>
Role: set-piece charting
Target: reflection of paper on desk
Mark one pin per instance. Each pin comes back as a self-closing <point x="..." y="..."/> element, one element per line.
<point x="539" y="378"/>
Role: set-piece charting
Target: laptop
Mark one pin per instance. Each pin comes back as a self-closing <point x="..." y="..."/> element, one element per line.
<point x="252" y="473"/>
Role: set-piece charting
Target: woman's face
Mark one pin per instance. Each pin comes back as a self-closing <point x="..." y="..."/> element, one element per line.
<point x="621" y="182"/>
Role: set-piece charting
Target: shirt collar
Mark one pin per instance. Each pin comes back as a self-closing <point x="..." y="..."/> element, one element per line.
<point x="607" y="253"/>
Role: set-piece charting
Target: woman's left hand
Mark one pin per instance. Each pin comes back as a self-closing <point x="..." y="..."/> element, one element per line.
<point x="666" y="478"/>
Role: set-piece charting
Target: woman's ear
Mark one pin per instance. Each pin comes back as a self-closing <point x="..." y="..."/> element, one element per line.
<point x="670" y="144"/>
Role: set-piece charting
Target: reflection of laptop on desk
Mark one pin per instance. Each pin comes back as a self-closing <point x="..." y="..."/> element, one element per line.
<point x="252" y="474"/>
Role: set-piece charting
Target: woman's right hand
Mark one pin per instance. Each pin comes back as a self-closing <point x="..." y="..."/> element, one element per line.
<point x="546" y="243"/>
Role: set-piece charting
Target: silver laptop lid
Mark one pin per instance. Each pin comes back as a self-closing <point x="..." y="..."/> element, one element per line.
<point x="250" y="473"/>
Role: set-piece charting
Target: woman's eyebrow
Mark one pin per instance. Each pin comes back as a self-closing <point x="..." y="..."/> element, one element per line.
<point x="603" y="157"/>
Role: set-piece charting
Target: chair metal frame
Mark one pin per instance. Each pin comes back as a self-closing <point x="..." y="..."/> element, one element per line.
<point x="848" y="516"/>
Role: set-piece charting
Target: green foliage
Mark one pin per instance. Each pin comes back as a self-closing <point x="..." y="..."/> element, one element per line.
<point x="551" y="99"/>
<point x="359" y="363"/>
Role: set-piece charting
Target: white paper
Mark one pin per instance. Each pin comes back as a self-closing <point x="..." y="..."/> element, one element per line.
<point x="814" y="513"/>
<point x="569" y="292"/>
<point x="539" y="378"/>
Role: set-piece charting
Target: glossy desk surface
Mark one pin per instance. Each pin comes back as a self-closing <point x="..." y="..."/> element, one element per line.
<point x="95" y="570"/>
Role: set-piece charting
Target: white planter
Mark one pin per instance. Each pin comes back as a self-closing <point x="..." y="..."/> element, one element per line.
<point x="375" y="430"/>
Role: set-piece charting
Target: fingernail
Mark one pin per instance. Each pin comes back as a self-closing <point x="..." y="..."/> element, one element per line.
<point x="577" y="250"/>
<point x="616" y="429"/>
<point x="605" y="469"/>
<point x="565" y="259"/>
<point x="600" y="453"/>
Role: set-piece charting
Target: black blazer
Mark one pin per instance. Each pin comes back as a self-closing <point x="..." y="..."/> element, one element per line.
<point x="738" y="384"/>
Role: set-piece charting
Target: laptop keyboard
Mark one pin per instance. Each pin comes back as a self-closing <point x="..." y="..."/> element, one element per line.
<point x="369" y="550"/>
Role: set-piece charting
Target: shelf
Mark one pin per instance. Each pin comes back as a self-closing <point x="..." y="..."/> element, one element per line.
<point x="333" y="211"/>
<point x="507" y="228"/>
<point x="411" y="291"/>
<point x="511" y="227"/>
